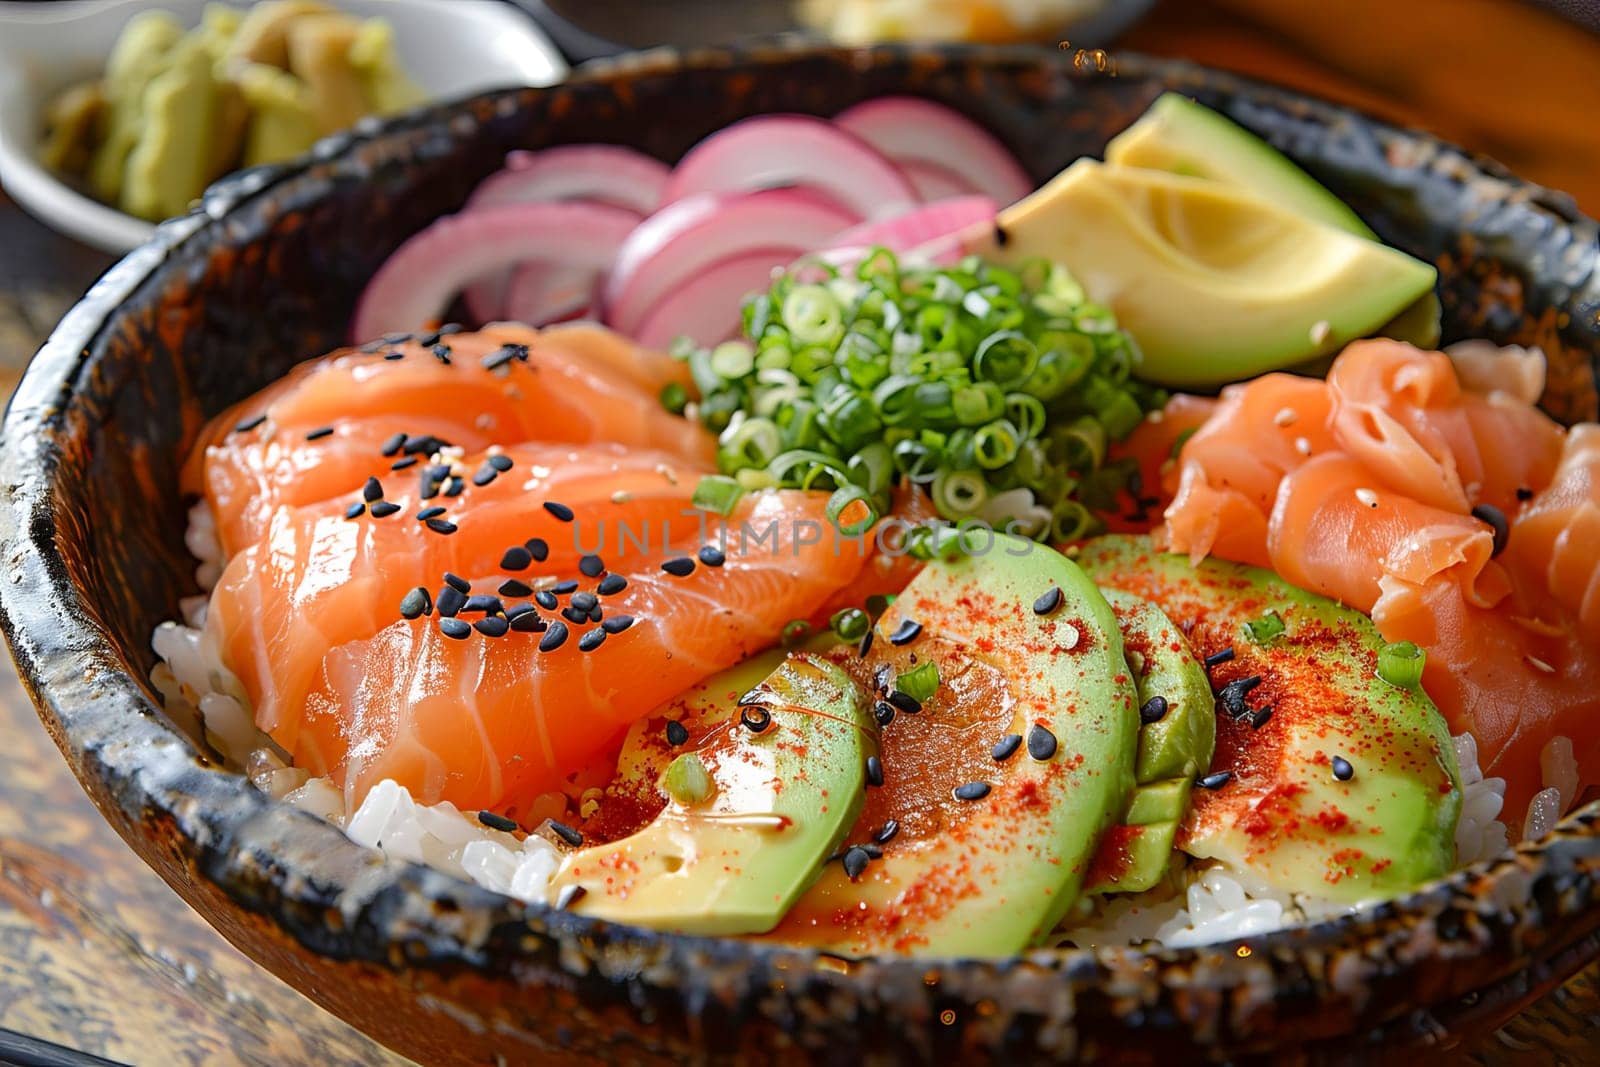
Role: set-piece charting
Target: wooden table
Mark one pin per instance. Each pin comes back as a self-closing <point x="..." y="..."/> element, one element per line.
<point x="98" y="954"/>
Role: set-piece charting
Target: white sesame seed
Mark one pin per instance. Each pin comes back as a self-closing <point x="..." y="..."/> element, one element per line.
<point x="1286" y="417"/>
<point x="1367" y="497"/>
<point x="1319" y="331"/>
<point x="1157" y="415"/>
<point x="1302" y="445"/>
<point x="1539" y="664"/>
<point x="1067" y="636"/>
<point x="668" y="473"/>
<point x="621" y="496"/>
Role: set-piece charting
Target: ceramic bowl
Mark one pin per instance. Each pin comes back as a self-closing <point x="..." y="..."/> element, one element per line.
<point x="451" y="49"/>
<point x="266" y="272"/>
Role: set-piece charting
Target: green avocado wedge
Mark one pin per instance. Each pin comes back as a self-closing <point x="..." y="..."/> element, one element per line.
<point x="1175" y="746"/>
<point x="997" y="788"/>
<point x="1326" y="779"/>
<point x="1180" y="136"/>
<point x="758" y="791"/>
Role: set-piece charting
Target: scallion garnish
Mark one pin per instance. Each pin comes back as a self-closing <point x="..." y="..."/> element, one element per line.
<point x="1000" y="391"/>
<point x="796" y="631"/>
<point x="1265" y="628"/>
<point x="674" y="397"/>
<point x="920" y="682"/>
<point x="717" y="493"/>
<point x="850" y="624"/>
<point x="1400" y="664"/>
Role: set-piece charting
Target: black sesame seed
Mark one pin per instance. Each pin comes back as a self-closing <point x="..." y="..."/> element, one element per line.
<point x="438" y="471"/>
<point x="441" y="353"/>
<point x="562" y="588"/>
<point x="432" y="512"/>
<point x="677" y="733"/>
<point x="537" y="548"/>
<point x="755" y="718"/>
<point x="681" y="567"/>
<point x="503" y="355"/>
<point x="584" y="602"/>
<point x="591" y="566"/>
<point x="394" y="355"/>
<point x="402" y="463"/>
<point x="1217" y="659"/>
<point x="396" y="338"/>
<point x="453" y="627"/>
<point x="883" y="711"/>
<point x="569" y="895"/>
<point x="1524" y="494"/>
<point x="566" y="833"/>
<point x="1048" y="601"/>
<point x="886" y="833"/>
<point x="428" y="340"/>
<point x="528" y="622"/>
<point x="1154" y="710"/>
<point x="1215" y="781"/>
<point x="591" y="640"/>
<point x="617" y="623"/>
<point x="554" y="637"/>
<point x="546" y="599"/>
<point x="1234" y="694"/>
<point x="1259" y="718"/>
<point x="483" y="602"/>
<point x="319" y="434"/>
<point x="906" y="632"/>
<point x="905" y="702"/>
<point x="611" y="585"/>
<point x="496" y="822"/>
<point x="872" y="851"/>
<point x="855" y="861"/>
<point x="450" y="600"/>
<point x="1497" y="520"/>
<point x="1006" y="747"/>
<point x="866" y="643"/>
<point x="512" y="587"/>
<point x="415" y="603"/>
<point x="1342" y="769"/>
<point x="492" y="626"/>
<point x="251" y="423"/>
<point x="972" y="791"/>
<point x="484" y="475"/>
<point x="422" y="445"/>
<point x="384" y="508"/>
<point x="449" y="328"/>
<point x="1001" y="237"/>
<point x="712" y="556"/>
<point x="515" y="558"/>
<point x="874" y="771"/>
<point x="518" y="609"/>
<point x="1041" y="743"/>
<point x="355" y="511"/>
<point x="441" y="526"/>
<point x="455" y="581"/>
<point x="500" y="462"/>
<point x="574" y="616"/>
<point x="372" y="490"/>
<point x="560" y="511"/>
<point x="455" y="487"/>
<point x="882" y="678"/>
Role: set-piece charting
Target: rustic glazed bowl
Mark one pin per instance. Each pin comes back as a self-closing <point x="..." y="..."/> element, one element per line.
<point x="266" y="272"/>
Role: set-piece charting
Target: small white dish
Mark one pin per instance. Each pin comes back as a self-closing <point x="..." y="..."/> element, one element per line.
<point x="451" y="48"/>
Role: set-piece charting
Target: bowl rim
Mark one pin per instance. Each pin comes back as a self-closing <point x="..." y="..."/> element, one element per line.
<point x="76" y="214"/>
<point x="68" y="664"/>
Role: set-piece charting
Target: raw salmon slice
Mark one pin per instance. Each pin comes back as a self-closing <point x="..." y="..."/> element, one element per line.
<point x="334" y="421"/>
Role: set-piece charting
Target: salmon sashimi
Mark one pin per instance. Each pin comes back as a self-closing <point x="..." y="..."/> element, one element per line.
<point x="318" y="579"/>
<point x="1154" y="446"/>
<point x="494" y="720"/>
<point x="335" y="421"/>
<point x="1461" y="519"/>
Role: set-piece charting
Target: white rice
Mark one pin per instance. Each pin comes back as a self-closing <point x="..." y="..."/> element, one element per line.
<point x="203" y="696"/>
<point x="1198" y="903"/>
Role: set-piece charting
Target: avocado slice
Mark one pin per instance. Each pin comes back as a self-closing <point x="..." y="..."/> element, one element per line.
<point x="166" y="168"/>
<point x="1338" y="784"/>
<point x="143" y="51"/>
<point x="1213" y="282"/>
<point x="1173" y="749"/>
<point x="749" y="815"/>
<point x="1180" y="136"/>
<point x="966" y="849"/>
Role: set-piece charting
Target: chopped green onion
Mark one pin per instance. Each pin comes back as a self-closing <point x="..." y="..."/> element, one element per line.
<point x="687" y="781"/>
<point x="878" y="603"/>
<point x="959" y="492"/>
<point x="1265" y="628"/>
<point x="717" y="493"/>
<point x="733" y="359"/>
<point x="812" y="315"/>
<point x="674" y="397"/>
<point x="935" y="542"/>
<point x="842" y="499"/>
<point x="1071" y="521"/>
<point x="1400" y="664"/>
<point x="920" y="682"/>
<point x="851" y="624"/>
<point x="795" y="632"/>
<point x="749" y="443"/>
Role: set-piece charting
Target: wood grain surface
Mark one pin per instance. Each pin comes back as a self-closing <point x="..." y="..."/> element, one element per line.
<point x="98" y="954"/>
